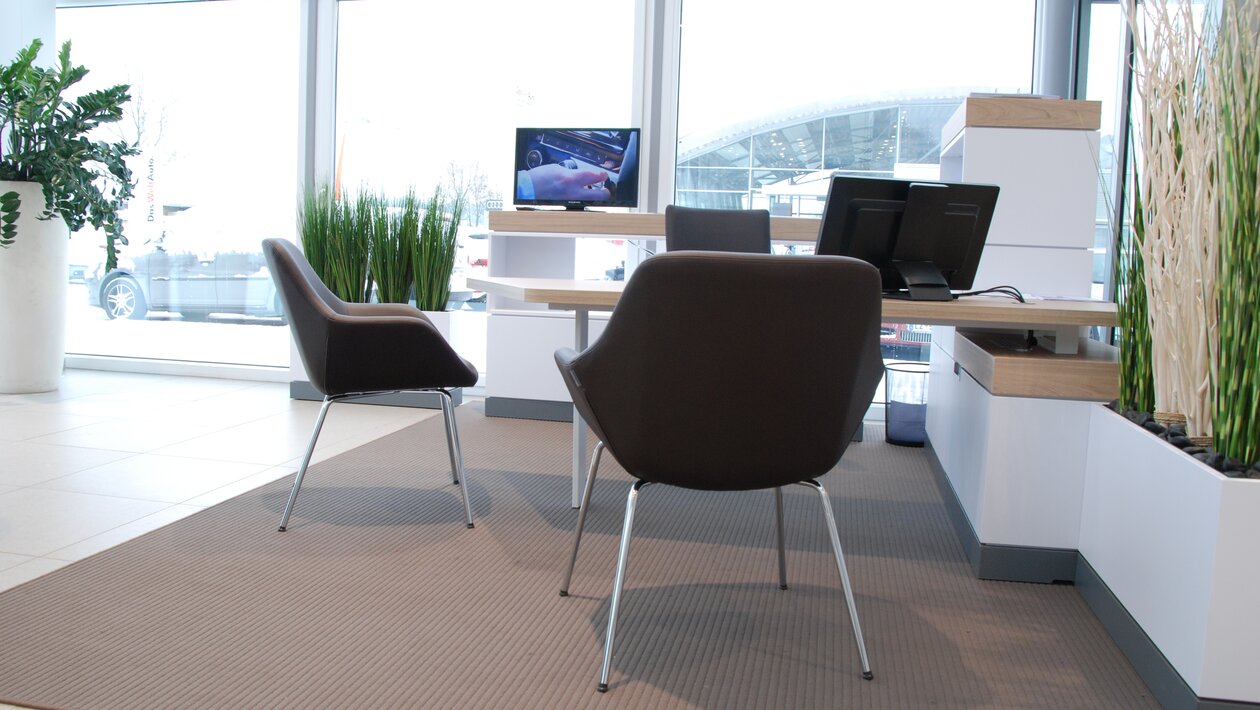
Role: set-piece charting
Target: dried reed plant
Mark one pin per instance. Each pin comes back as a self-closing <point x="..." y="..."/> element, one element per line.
<point x="1175" y="125"/>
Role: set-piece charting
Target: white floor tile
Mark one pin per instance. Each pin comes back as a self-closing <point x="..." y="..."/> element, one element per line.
<point x="24" y="463"/>
<point x="37" y="521"/>
<point x="240" y="406"/>
<point x="135" y="434"/>
<point x="8" y="560"/>
<point x="282" y="437"/>
<point x="169" y="479"/>
<point x="244" y="485"/>
<point x="123" y="533"/>
<point x="269" y="441"/>
<point x="27" y="571"/>
<point x="110" y="456"/>
<point x="20" y="423"/>
<point x="105" y="406"/>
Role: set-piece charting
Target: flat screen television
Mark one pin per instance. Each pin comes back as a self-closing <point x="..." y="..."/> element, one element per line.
<point x="925" y="237"/>
<point x="576" y="168"/>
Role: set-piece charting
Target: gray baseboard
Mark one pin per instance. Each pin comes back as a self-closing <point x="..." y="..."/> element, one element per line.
<point x="1006" y="563"/>
<point x="540" y="409"/>
<point x="302" y="389"/>
<point x="1164" y="682"/>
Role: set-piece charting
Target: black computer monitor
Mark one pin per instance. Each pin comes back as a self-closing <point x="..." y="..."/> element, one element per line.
<point x="925" y="237"/>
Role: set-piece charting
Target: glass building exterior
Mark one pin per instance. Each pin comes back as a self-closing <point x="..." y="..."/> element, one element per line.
<point x="782" y="163"/>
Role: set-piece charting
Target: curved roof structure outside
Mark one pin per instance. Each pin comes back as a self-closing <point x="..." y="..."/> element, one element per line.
<point x="782" y="161"/>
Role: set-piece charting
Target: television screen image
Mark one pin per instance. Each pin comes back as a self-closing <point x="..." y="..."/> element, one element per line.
<point x="925" y="237"/>
<point x="577" y="167"/>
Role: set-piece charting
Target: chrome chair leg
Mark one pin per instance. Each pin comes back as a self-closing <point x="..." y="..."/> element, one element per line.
<point x="306" y="460"/>
<point x="618" y="582"/>
<point x="844" y="575"/>
<point x="457" y="455"/>
<point x="581" y="521"/>
<point x="778" y="521"/>
<point x="450" y="446"/>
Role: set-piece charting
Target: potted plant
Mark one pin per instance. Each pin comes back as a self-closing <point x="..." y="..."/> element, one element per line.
<point x="395" y="227"/>
<point x="1168" y="525"/>
<point x="54" y="179"/>
<point x="433" y="253"/>
<point x="335" y="239"/>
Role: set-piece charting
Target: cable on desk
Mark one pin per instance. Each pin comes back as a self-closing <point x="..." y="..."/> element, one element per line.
<point x="1009" y="291"/>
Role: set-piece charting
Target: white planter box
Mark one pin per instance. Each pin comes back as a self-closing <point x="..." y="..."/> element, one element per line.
<point x="33" y="275"/>
<point x="1177" y="545"/>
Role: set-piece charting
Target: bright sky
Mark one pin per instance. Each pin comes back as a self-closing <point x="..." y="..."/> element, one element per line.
<point x="425" y="84"/>
<point x="794" y="52"/>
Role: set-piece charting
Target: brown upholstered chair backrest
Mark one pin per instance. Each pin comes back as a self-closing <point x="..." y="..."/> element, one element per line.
<point x="717" y="230"/>
<point x="733" y="371"/>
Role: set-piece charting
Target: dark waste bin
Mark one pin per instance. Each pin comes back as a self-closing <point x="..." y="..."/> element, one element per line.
<point x="905" y="403"/>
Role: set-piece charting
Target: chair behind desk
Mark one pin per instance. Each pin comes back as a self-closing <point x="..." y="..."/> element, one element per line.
<point x="691" y="228"/>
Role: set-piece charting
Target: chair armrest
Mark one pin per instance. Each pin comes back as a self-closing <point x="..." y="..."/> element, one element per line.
<point x="567" y="361"/>
<point x="384" y="309"/>
<point x="564" y="360"/>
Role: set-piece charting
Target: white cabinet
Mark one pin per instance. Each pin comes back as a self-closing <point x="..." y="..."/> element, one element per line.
<point x="1010" y="431"/>
<point x="1043" y="154"/>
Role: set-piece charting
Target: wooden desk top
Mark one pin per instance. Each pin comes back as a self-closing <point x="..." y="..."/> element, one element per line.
<point x="976" y="311"/>
<point x="620" y="225"/>
<point x="557" y="293"/>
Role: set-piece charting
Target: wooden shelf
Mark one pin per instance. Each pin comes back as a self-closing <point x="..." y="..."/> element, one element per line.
<point x="998" y="362"/>
<point x="1023" y="112"/>
<point x="619" y="225"/>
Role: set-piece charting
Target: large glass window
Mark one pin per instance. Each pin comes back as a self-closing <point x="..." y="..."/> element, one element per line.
<point x="1105" y="70"/>
<point x="796" y="91"/>
<point x="214" y="112"/>
<point x="774" y="99"/>
<point x="430" y="94"/>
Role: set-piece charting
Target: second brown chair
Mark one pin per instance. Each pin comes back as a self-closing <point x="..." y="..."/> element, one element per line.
<point x="354" y="350"/>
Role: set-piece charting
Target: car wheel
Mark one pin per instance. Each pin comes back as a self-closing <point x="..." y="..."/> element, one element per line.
<point x="121" y="298"/>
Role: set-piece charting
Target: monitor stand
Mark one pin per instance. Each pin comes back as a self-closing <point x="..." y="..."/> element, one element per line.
<point x="923" y="280"/>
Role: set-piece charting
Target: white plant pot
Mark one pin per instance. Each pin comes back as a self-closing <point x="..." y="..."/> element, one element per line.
<point x="33" y="278"/>
<point x="1176" y="543"/>
<point x="442" y="321"/>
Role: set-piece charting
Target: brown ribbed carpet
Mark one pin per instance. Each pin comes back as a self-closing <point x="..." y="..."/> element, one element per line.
<point x="378" y="597"/>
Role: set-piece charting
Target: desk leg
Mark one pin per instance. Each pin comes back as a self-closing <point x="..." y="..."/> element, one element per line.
<point x="581" y="326"/>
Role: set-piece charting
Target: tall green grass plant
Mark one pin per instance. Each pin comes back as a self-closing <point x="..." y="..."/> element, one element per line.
<point x="433" y="256"/>
<point x="336" y="240"/>
<point x="395" y="226"/>
<point x="1137" y="384"/>
<point x="1236" y="83"/>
